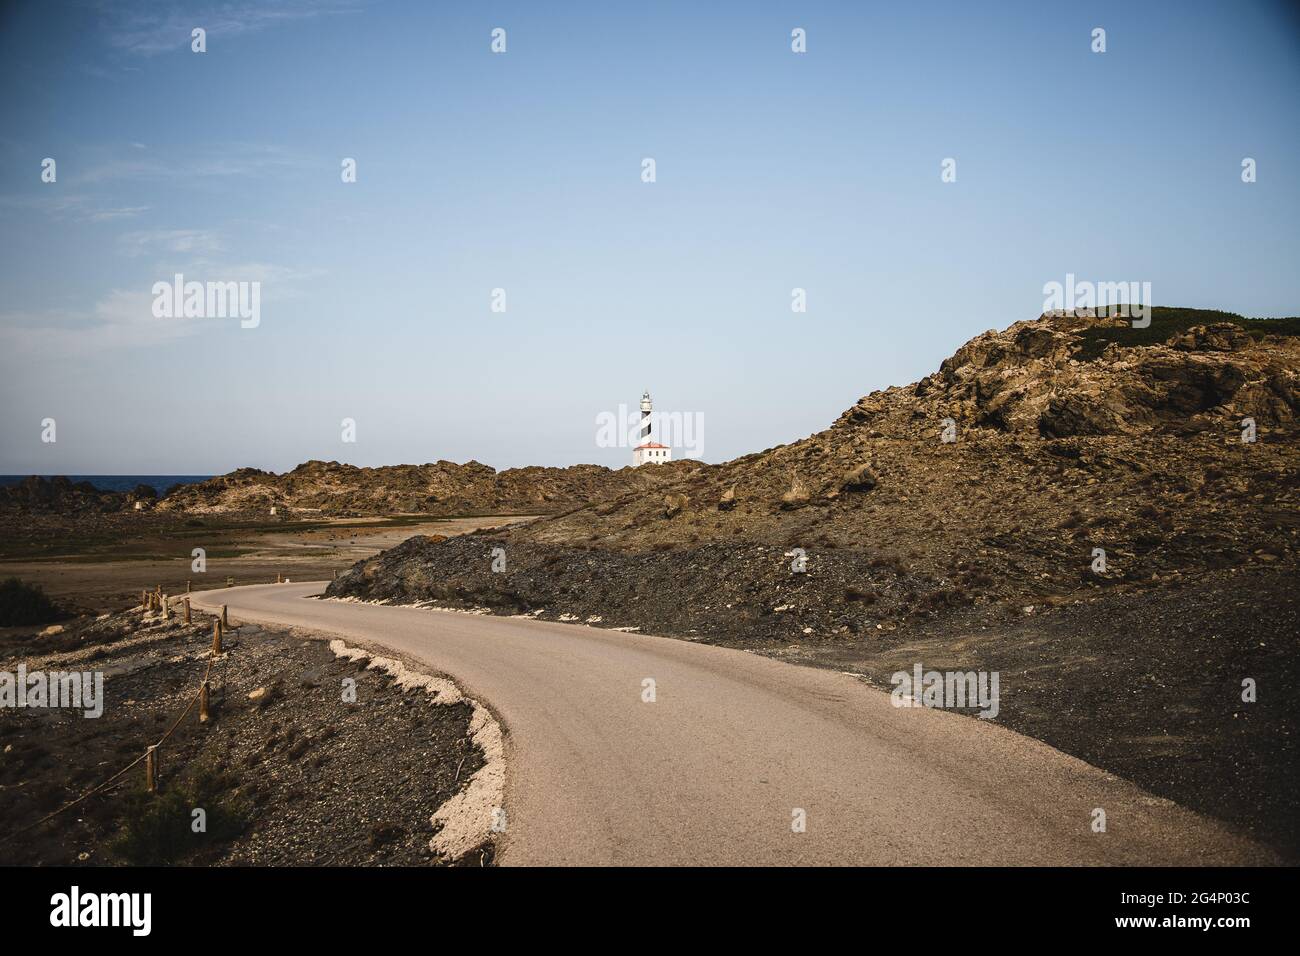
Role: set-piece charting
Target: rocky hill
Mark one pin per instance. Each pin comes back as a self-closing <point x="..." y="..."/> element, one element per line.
<point x="335" y="490"/>
<point x="441" y="488"/>
<point x="1067" y="434"/>
<point x="36" y="495"/>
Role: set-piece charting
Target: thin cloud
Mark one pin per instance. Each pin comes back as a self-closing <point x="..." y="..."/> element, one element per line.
<point x="122" y="319"/>
<point x="123" y="212"/>
<point x="181" y="241"/>
<point x="71" y="207"/>
<point x="236" y="159"/>
<point x="150" y="30"/>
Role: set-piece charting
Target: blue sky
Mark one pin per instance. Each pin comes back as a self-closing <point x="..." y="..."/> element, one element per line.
<point x="521" y="171"/>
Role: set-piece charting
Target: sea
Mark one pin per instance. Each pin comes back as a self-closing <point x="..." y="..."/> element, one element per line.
<point x="158" y="483"/>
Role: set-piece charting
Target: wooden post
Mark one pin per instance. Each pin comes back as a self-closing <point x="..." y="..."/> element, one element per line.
<point x="277" y="578"/>
<point x="144" y="600"/>
<point x="166" y="609"/>
<point x="151" y="768"/>
<point x="216" y="638"/>
<point x="187" y="586"/>
<point x="225" y="621"/>
<point x="187" y="610"/>
<point x="204" y="716"/>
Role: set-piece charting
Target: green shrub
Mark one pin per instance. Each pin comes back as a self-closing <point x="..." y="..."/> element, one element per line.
<point x="25" y="604"/>
<point x="158" y="828"/>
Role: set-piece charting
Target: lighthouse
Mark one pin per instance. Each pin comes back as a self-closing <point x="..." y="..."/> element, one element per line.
<point x="649" y="451"/>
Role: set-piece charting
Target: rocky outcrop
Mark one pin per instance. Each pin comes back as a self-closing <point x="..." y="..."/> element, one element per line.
<point x="439" y="488"/>
<point x="990" y="481"/>
<point x="333" y="489"/>
<point x="1033" y="378"/>
<point x="37" y="495"/>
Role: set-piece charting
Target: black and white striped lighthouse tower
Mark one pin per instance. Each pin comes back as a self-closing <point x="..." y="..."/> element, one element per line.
<point x="646" y="406"/>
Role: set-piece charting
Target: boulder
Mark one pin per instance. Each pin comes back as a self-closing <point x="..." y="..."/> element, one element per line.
<point x="673" y="505"/>
<point x="861" y="478"/>
<point x="1217" y="337"/>
<point x="262" y="695"/>
<point x="796" y="497"/>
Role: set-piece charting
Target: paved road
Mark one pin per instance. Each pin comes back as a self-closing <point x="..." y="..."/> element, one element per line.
<point x="713" y="770"/>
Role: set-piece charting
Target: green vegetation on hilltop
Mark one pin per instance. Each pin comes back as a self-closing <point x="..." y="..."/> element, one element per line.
<point x="1167" y="321"/>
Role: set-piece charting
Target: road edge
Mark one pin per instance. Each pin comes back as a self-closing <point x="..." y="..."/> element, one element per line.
<point x="468" y="819"/>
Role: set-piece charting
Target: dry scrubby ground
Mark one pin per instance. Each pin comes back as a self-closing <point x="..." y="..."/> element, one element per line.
<point x="1071" y="434"/>
<point x="100" y="564"/>
<point x="437" y="488"/>
<point x="300" y="778"/>
<point x="325" y="489"/>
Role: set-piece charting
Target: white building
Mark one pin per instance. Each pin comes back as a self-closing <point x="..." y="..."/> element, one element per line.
<point x="649" y="451"/>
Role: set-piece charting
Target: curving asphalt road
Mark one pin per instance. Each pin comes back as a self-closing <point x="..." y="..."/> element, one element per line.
<point x="713" y="770"/>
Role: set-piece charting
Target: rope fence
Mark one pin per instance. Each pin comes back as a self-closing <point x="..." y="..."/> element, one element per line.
<point x="152" y="601"/>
